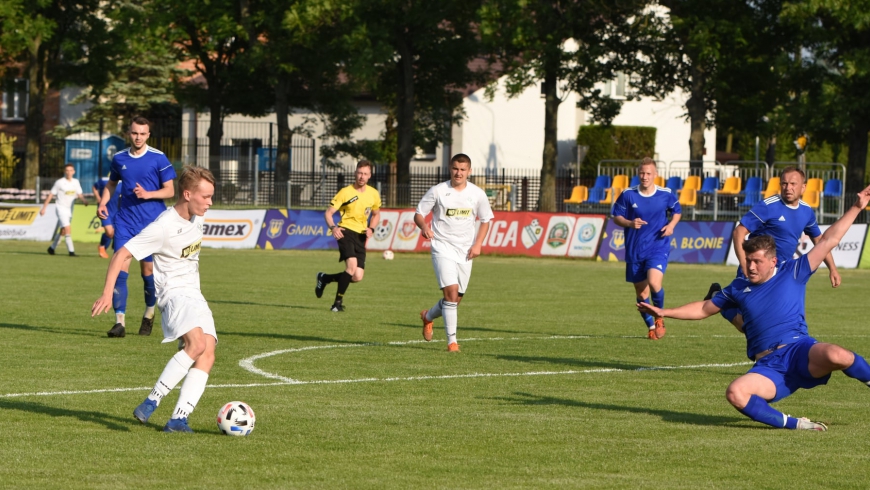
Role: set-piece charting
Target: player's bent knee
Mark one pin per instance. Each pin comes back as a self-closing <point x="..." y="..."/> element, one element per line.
<point x="737" y="397"/>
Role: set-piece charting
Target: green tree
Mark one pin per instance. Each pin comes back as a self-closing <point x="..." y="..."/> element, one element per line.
<point x="566" y="46"/>
<point x="57" y="42"/>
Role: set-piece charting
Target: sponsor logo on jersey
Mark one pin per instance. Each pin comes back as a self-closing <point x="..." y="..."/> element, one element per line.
<point x="18" y="216"/>
<point x="617" y="241"/>
<point x="747" y="290"/>
<point x="351" y="201"/>
<point x="558" y="235"/>
<point x="191" y="249"/>
<point x="459" y="212"/>
<point x="70" y="193"/>
<point x="275" y="227"/>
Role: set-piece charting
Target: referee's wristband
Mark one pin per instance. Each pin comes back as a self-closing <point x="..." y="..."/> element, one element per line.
<point x="370" y="228"/>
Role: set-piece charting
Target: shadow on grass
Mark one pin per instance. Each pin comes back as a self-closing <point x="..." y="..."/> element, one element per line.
<point x="251" y="303"/>
<point x="666" y="415"/>
<point x="570" y="361"/>
<point x="419" y="325"/>
<point x="67" y="331"/>
<point x="109" y="421"/>
<point x="283" y="336"/>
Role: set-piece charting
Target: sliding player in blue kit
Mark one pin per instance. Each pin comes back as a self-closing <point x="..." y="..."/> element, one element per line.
<point x="643" y="212"/>
<point x="771" y="300"/>
<point x="147" y="176"/>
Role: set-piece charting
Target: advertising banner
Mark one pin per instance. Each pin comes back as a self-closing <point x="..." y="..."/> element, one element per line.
<point x="295" y="229"/>
<point x="86" y="226"/>
<point x="587" y="233"/>
<point x="233" y="229"/>
<point x="384" y="229"/>
<point x="407" y="235"/>
<point x="23" y="222"/>
<point x="865" y="254"/>
<point x="693" y="242"/>
<point x="847" y="254"/>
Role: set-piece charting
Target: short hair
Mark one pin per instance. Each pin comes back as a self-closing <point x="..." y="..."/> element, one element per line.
<point x="461" y="158"/>
<point x="365" y="163"/>
<point x="792" y="168"/>
<point x="760" y="242"/>
<point x="191" y="177"/>
<point x="140" y="121"/>
<point x="69" y="165"/>
<point x="647" y="161"/>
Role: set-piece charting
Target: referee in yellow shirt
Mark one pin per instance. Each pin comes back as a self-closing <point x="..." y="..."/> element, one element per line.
<point x="356" y="203"/>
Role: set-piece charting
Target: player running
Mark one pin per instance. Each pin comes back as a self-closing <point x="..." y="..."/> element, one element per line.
<point x="771" y="300"/>
<point x="174" y="239"/>
<point x="358" y="204"/>
<point x="65" y="191"/>
<point x="455" y="206"/>
<point x="643" y="212"/>
<point x="148" y="176"/>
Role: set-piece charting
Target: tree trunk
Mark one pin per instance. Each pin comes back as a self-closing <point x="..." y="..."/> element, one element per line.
<point x="857" y="162"/>
<point x="697" y="110"/>
<point x="37" y="88"/>
<point x="547" y="199"/>
<point x="404" y="120"/>
<point x="215" y="133"/>
<point x="282" y="112"/>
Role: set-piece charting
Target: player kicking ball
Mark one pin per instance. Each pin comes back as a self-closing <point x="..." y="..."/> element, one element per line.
<point x="174" y="239"/>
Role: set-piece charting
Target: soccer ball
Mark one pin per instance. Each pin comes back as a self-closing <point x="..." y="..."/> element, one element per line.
<point x="236" y="419"/>
<point x="388" y="254"/>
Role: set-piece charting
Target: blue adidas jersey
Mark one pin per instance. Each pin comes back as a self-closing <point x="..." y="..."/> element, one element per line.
<point x="150" y="170"/>
<point x="773" y="311"/>
<point x="785" y="224"/>
<point x="112" y="206"/>
<point x="646" y="242"/>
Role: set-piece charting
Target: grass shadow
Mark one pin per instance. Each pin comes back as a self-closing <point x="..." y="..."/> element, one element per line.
<point x="111" y="422"/>
<point x="671" y="416"/>
<point x="283" y="336"/>
<point x="419" y="325"/>
<point x="570" y="361"/>
<point x="251" y="303"/>
<point x="68" y="331"/>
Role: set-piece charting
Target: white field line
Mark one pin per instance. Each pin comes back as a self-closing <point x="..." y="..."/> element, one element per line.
<point x="248" y="365"/>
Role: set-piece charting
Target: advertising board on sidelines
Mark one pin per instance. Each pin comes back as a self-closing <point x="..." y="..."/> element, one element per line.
<point x="846" y="255"/>
<point x="232" y="229"/>
<point x="693" y="242"/>
<point x="23" y="222"/>
<point x="295" y="229"/>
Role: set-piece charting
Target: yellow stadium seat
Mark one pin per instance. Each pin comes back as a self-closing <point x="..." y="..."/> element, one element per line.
<point x="732" y="186"/>
<point x="772" y="188"/>
<point x="660" y="181"/>
<point x="812" y="198"/>
<point x="815" y="185"/>
<point x="579" y="194"/>
<point x="611" y="194"/>
<point x="620" y="181"/>
<point x="689" y="197"/>
<point x="692" y="182"/>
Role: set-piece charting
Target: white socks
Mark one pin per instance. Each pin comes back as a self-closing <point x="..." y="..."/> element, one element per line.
<point x="191" y="391"/>
<point x="149" y="312"/>
<point x="176" y="369"/>
<point x="119" y="318"/>
<point x="448" y="309"/>
<point x="69" y="244"/>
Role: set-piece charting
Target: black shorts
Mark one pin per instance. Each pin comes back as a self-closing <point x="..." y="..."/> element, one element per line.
<point x="352" y="245"/>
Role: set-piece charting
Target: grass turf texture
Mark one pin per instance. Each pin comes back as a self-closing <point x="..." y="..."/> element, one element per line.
<point x="552" y="389"/>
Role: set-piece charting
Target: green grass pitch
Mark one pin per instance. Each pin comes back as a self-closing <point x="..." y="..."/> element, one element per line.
<point x="556" y="385"/>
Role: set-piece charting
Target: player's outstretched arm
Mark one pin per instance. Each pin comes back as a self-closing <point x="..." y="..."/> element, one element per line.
<point x="104" y="302"/>
<point x="420" y="221"/>
<point x="697" y="310"/>
<point x="832" y="236"/>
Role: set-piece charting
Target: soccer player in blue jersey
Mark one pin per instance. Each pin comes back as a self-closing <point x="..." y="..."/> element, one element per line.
<point x="771" y="300"/>
<point x="112" y="208"/>
<point x="147" y="176"/>
<point x="643" y="212"/>
<point x="784" y="217"/>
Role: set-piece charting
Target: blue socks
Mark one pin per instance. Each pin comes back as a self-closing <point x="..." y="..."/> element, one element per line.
<point x="859" y="370"/>
<point x="119" y="295"/>
<point x="650" y="321"/>
<point x="760" y="411"/>
<point x="105" y="241"/>
<point x="150" y="291"/>
<point x="658" y="298"/>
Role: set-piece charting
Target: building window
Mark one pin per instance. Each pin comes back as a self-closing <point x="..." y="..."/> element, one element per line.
<point x="616" y="88"/>
<point x="15" y="99"/>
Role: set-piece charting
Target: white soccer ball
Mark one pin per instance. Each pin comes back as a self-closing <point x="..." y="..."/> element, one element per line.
<point x="388" y="254"/>
<point x="236" y="419"/>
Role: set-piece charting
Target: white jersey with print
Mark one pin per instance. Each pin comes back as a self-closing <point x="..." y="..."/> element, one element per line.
<point x="65" y="191"/>
<point x="453" y="216"/>
<point x="174" y="243"/>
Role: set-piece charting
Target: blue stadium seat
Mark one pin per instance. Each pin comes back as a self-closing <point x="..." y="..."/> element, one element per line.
<point x="635" y="181"/>
<point x="709" y="186"/>
<point x="674" y="183"/>
<point x="603" y="181"/>
<point x="596" y="194"/>
<point x="752" y="192"/>
<point x="833" y="188"/>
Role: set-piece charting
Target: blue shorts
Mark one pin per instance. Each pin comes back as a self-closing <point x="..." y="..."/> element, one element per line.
<point x="122" y="239"/>
<point x="635" y="272"/>
<point x="788" y="368"/>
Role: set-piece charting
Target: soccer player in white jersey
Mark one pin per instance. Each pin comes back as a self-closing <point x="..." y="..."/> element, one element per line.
<point x="65" y="190"/>
<point x="455" y="205"/>
<point x="174" y="240"/>
<point x="771" y="300"/>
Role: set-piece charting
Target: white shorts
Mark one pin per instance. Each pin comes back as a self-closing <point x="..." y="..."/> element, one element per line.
<point x="449" y="272"/>
<point x="181" y="314"/>
<point x="64" y="216"/>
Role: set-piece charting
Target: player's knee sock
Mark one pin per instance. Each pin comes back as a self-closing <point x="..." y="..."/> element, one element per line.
<point x="658" y="298"/>
<point x="859" y="370"/>
<point x="69" y="244"/>
<point x="176" y="369"/>
<point x="191" y="391"/>
<point x="105" y="241"/>
<point x="150" y="290"/>
<point x="328" y="278"/>
<point x="119" y="294"/>
<point x="760" y="411"/>
<point x="343" y="283"/>
<point x="435" y="311"/>
<point x="55" y="241"/>
<point x="648" y="319"/>
<point x="448" y="309"/>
